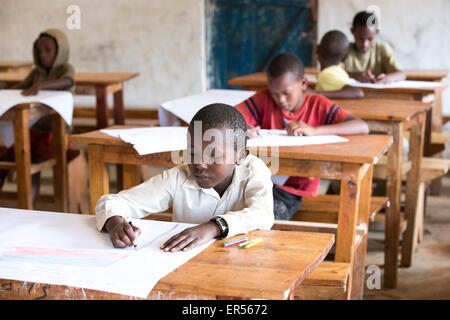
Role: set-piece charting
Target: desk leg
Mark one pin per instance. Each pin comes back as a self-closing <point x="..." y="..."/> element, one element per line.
<point x="98" y="175"/>
<point x="60" y="173"/>
<point x="23" y="157"/>
<point x="131" y="175"/>
<point x="348" y="216"/>
<point x="393" y="212"/>
<point x="119" y="118"/>
<point x="359" y="264"/>
<point x="119" y="110"/>
<point x="101" y="107"/>
<point x="412" y="194"/>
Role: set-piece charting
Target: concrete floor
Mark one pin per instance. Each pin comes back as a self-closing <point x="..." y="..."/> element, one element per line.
<point x="429" y="275"/>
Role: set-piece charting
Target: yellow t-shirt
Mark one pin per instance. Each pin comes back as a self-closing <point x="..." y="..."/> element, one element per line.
<point x="331" y="78"/>
<point x="379" y="59"/>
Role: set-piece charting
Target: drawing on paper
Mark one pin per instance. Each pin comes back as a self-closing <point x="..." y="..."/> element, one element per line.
<point x="78" y="258"/>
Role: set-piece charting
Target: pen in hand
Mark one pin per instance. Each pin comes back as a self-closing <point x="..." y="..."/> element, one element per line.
<point x="134" y="243"/>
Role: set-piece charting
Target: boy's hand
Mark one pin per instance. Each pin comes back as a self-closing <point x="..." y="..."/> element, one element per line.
<point x="252" y="132"/>
<point x="32" y="91"/>
<point x="192" y="237"/>
<point x="383" y="78"/>
<point x="365" y="76"/>
<point x="299" y="128"/>
<point x="122" y="234"/>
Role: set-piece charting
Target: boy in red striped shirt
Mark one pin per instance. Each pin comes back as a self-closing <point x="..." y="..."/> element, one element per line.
<point x="284" y="105"/>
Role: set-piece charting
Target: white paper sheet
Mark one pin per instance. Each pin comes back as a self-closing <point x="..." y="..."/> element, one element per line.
<point x="278" y="138"/>
<point x="163" y="139"/>
<point x="152" y="140"/>
<point x="67" y="249"/>
<point x="185" y="108"/>
<point x="398" y="84"/>
<point x="60" y="101"/>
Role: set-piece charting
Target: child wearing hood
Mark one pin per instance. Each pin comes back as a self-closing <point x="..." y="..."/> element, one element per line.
<point x="51" y="72"/>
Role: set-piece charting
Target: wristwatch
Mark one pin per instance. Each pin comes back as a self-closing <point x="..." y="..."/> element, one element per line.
<point x="222" y="225"/>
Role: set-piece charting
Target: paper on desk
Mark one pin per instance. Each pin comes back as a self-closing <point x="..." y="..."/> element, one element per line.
<point x="397" y="84"/>
<point x="60" y="101"/>
<point x="278" y="138"/>
<point x="163" y="139"/>
<point x="153" y="139"/>
<point x="185" y="108"/>
<point x="67" y="249"/>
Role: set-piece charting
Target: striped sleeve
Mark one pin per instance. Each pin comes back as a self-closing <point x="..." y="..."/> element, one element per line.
<point x="335" y="114"/>
<point x="250" y="110"/>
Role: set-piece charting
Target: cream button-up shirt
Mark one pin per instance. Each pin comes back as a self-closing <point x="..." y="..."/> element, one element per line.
<point x="246" y="205"/>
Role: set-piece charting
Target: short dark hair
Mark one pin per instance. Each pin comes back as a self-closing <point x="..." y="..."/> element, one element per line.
<point x="221" y="116"/>
<point x="365" y="19"/>
<point x="333" y="47"/>
<point x="284" y="63"/>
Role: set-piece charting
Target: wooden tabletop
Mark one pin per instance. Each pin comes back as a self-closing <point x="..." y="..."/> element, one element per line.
<point x="384" y="109"/>
<point x="15" y="64"/>
<point x="270" y="270"/>
<point x="258" y="80"/>
<point x="81" y="78"/>
<point x="359" y="148"/>
<point x="411" y="74"/>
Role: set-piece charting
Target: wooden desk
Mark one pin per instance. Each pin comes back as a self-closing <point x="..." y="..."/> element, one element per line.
<point x="15" y="66"/>
<point x="20" y="115"/>
<point x="411" y="74"/>
<point x="271" y="270"/>
<point x="350" y="162"/>
<point x="258" y="80"/>
<point x="98" y="84"/>
<point x="395" y="117"/>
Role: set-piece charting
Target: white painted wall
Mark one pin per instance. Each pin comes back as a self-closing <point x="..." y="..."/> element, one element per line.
<point x="163" y="40"/>
<point x="418" y="30"/>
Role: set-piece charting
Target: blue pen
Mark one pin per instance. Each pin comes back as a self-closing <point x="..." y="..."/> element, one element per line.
<point x="285" y="121"/>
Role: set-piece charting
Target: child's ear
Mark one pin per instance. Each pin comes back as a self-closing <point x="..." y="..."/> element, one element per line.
<point x="241" y="155"/>
<point x="304" y="83"/>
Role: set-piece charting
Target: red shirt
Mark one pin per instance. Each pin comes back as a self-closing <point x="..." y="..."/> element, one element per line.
<point x="316" y="110"/>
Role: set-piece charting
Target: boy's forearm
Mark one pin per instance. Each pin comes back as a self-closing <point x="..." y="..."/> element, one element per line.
<point x="59" y="84"/>
<point x="349" y="127"/>
<point x="347" y="92"/>
<point x="396" y="76"/>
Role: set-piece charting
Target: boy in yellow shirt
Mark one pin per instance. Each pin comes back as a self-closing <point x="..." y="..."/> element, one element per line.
<point x="368" y="60"/>
<point x="332" y="81"/>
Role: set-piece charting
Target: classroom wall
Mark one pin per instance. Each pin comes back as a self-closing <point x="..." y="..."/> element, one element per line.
<point x="418" y="30"/>
<point x="164" y="40"/>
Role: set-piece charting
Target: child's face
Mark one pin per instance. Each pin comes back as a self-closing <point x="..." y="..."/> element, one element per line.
<point x="212" y="162"/>
<point x="287" y="91"/>
<point x="364" y="38"/>
<point x="46" y="50"/>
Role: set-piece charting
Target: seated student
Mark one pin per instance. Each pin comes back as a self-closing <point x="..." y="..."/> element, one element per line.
<point x="223" y="189"/>
<point x="368" y="60"/>
<point x="332" y="80"/>
<point x="51" y="72"/>
<point x="284" y="101"/>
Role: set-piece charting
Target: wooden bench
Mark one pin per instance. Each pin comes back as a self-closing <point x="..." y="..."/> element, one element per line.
<point x="327" y="282"/>
<point x="439" y="141"/>
<point x="431" y="168"/>
<point x="325" y="207"/>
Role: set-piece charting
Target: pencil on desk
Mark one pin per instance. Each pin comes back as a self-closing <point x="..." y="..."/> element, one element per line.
<point x="235" y="241"/>
<point x="254" y="243"/>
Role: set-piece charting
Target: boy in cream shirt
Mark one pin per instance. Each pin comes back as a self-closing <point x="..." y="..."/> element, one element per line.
<point x="224" y="190"/>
